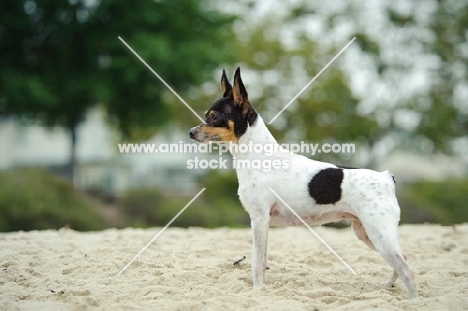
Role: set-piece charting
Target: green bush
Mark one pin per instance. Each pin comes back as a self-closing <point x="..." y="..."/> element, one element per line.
<point x="217" y="206"/>
<point x="36" y="199"/>
<point x="442" y="202"/>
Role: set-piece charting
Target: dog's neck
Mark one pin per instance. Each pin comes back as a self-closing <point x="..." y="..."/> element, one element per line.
<point x="258" y="133"/>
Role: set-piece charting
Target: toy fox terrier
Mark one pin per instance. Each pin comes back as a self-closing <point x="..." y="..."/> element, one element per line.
<point x="318" y="192"/>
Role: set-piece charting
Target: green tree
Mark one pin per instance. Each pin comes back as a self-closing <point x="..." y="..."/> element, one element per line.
<point x="443" y="107"/>
<point x="59" y="58"/>
<point x="414" y="55"/>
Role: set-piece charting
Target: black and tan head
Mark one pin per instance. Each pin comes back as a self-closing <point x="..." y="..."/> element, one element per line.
<point x="229" y="117"/>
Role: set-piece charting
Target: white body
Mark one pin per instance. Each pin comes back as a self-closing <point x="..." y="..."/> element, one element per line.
<point x="367" y="200"/>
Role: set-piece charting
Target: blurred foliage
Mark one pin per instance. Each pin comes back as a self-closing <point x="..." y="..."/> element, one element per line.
<point x="183" y="41"/>
<point x="435" y="202"/>
<point x="406" y="43"/>
<point x="59" y="58"/>
<point x="34" y="199"/>
<point x="217" y="206"/>
<point x="447" y="115"/>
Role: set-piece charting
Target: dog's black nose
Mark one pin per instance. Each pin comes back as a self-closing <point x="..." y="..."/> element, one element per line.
<point x="193" y="132"/>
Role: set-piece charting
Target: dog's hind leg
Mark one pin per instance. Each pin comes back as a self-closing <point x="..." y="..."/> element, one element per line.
<point x="391" y="281"/>
<point x="379" y="230"/>
<point x="362" y="235"/>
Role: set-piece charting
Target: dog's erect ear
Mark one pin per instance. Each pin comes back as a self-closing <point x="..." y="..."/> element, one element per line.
<point x="239" y="94"/>
<point x="225" y="85"/>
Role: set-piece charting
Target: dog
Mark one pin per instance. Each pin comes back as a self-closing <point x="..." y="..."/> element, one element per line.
<point x="318" y="192"/>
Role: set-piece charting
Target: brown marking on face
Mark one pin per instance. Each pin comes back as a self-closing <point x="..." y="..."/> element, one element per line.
<point x="231" y="125"/>
<point x="210" y="133"/>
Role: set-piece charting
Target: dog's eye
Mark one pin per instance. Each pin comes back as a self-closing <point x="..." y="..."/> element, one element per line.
<point x="214" y="117"/>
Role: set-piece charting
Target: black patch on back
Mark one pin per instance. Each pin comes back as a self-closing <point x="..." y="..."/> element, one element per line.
<point x="325" y="186"/>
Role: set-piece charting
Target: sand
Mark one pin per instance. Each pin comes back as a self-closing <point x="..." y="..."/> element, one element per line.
<point x="192" y="269"/>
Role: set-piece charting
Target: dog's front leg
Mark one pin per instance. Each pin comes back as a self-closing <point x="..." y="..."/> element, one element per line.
<point x="260" y="239"/>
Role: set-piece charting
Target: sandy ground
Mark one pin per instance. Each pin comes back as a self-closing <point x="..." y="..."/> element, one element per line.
<point x="192" y="269"/>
